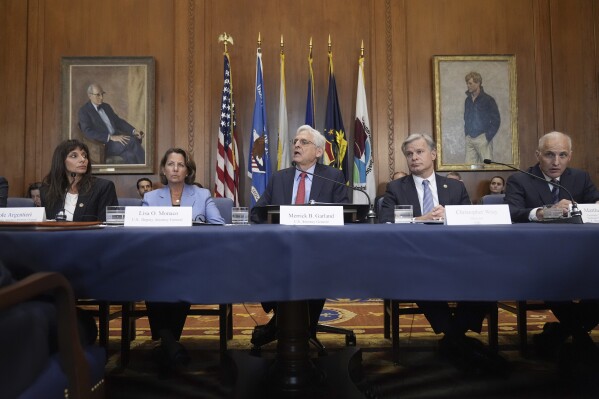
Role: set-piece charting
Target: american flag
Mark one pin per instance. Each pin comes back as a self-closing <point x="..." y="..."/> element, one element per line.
<point x="227" y="158"/>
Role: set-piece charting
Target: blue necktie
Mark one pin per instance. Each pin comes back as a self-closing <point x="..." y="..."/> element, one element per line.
<point x="427" y="198"/>
<point x="554" y="192"/>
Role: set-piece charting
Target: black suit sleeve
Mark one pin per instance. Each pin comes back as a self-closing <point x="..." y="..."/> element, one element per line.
<point x="3" y="192"/>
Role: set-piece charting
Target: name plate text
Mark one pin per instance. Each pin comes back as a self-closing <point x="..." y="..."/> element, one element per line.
<point x="158" y="216"/>
<point x="477" y="214"/>
<point x="28" y="214"/>
<point x="311" y="215"/>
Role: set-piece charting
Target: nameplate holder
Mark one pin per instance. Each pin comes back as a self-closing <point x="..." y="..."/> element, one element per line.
<point x="158" y="216"/>
<point x="590" y="212"/>
<point x="477" y="214"/>
<point x="306" y="215"/>
<point x="27" y="214"/>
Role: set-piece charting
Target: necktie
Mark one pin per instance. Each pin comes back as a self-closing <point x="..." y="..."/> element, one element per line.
<point x="554" y="192"/>
<point x="427" y="198"/>
<point x="301" y="189"/>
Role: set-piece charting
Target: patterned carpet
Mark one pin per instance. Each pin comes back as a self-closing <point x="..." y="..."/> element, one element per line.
<point x="420" y="374"/>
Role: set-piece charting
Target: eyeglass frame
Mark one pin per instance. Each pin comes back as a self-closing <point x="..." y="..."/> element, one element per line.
<point x="97" y="94"/>
<point x="302" y="142"/>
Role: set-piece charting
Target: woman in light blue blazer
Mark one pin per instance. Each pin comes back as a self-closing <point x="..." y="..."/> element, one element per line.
<point x="177" y="173"/>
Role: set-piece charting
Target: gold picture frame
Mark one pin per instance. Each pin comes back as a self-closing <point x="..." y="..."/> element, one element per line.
<point x="457" y="150"/>
<point x="128" y="86"/>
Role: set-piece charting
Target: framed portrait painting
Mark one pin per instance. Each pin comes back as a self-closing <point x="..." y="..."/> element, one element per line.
<point x="108" y="103"/>
<point x="476" y="112"/>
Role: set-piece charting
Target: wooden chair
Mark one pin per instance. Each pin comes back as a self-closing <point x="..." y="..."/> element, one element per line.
<point x="75" y="372"/>
<point x="392" y="311"/>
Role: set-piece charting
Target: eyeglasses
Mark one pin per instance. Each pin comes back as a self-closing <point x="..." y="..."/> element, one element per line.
<point x="98" y="94"/>
<point x="302" y="142"/>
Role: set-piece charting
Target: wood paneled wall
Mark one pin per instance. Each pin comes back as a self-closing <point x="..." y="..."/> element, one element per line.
<point x="555" y="43"/>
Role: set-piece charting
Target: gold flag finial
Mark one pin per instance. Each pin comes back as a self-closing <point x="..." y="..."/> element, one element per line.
<point x="362" y="49"/>
<point x="225" y="38"/>
<point x="330" y="43"/>
<point x="310" y="46"/>
<point x="282" y="45"/>
<point x="259" y="41"/>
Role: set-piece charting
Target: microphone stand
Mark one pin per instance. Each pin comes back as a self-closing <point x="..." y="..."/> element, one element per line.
<point x="370" y="217"/>
<point x="575" y="213"/>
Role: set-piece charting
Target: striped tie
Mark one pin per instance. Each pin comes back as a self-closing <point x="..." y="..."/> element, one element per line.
<point x="554" y="192"/>
<point x="427" y="198"/>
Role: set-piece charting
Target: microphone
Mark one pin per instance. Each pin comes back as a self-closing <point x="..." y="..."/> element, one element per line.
<point x="575" y="214"/>
<point x="61" y="216"/>
<point x="371" y="216"/>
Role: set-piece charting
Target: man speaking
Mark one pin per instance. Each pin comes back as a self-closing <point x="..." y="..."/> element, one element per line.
<point x="307" y="181"/>
<point x="526" y="197"/>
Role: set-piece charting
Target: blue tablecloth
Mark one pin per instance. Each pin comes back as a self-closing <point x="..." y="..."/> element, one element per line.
<point x="224" y="264"/>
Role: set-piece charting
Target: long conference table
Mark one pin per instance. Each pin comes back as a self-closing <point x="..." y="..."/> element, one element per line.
<point x="233" y="264"/>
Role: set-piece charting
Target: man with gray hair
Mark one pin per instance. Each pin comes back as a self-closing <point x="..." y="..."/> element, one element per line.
<point x="428" y="193"/>
<point x="526" y="197"/>
<point x="294" y="186"/>
<point x="481" y="120"/>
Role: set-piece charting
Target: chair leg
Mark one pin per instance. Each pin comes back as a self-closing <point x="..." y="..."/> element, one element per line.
<point x="103" y="323"/>
<point x="522" y="328"/>
<point x="230" y="321"/>
<point x="394" y="305"/>
<point x="493" y="328"/>
<point x="126" y="332"/>
<point x="386" y="318"/>
<point x="223" y="327"/>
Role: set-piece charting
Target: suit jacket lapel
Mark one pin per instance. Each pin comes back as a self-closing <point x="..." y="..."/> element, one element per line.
<point x="187" y="198"/>
<point x="442" y="190"/>
<point x="317" y="183"/>
<point x="542" y="187"/>
<point x="288" y="186"/>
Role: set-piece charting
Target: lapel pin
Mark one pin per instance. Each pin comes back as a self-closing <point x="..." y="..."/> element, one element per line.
<point x="445" y="186"/>
<point x="81" y="205"/>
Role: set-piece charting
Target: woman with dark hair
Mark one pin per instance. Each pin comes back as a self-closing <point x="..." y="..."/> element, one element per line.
<point x="70" y="192"/>
<point x="177" y="174"/>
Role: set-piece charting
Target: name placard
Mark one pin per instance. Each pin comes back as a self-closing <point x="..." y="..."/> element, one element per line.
<point x="590" y="212"/>
<point x="28" y="214"/>
<point x="311" y="215"/>
<point x="158" y="216"/>
<point x="477" y="214"/>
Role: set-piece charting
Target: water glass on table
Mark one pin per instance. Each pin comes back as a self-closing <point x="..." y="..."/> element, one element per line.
<point x="240" y="215"/>
<point x="403" y="213"/>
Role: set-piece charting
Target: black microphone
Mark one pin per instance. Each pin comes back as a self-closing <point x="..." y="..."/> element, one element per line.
<point x="575" y="214"/>
<point x="371" y="216"/>
<point x="61" y="216"/>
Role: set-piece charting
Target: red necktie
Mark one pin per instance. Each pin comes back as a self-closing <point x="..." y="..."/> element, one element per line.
<point x="301" y="189"/>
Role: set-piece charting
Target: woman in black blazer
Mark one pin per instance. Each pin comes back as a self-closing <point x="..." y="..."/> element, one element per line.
<point x="70" y="191"/>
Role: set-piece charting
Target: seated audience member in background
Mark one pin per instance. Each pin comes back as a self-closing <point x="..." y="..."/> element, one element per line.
<point x="496" y="185"/>
<point x="3" y="192"/>
<point x="454" y="175"/>
<point x="177" y="174"/>
<point x="526" y="197"/>
<point x="144" y="185"/>
<point x="99" y="122"/>
<point x="428" y="193"/>
<point x="292" y="186"/>
<point x="34" y="193"/>
<point x="71" y="189"/>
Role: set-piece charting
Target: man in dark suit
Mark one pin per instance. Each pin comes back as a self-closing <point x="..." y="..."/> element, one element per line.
<point x="526" y="197"/>
<point x="99" y="122"/>
<point x="428" y="193"/>
<point x="291" y="186"/>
